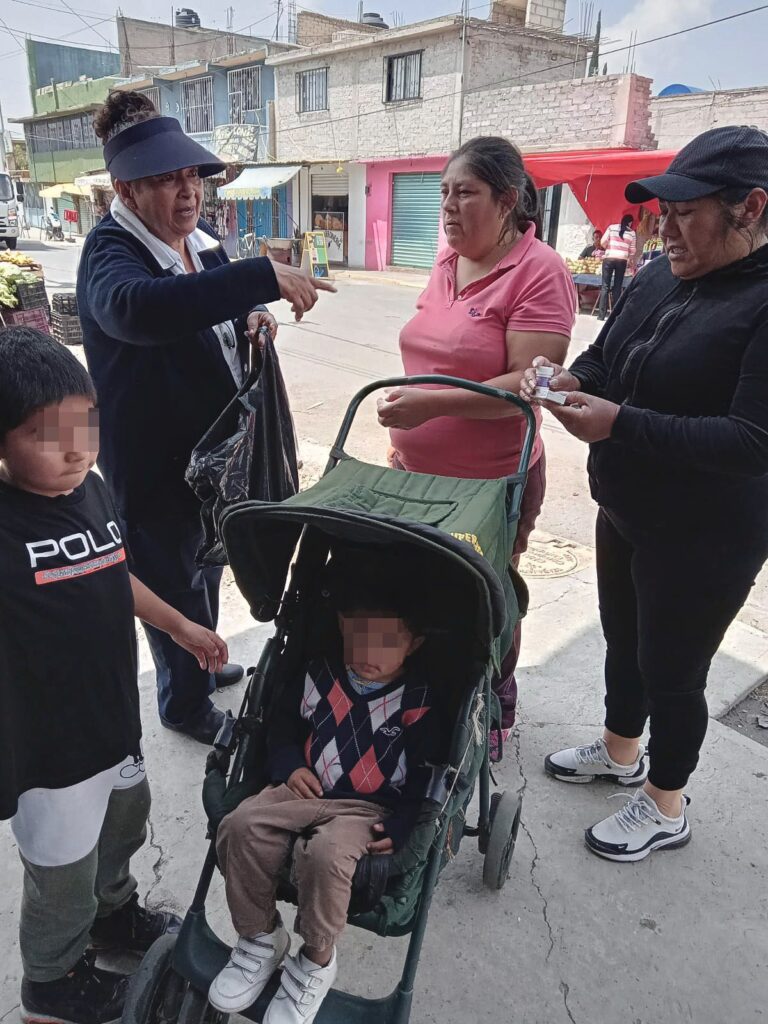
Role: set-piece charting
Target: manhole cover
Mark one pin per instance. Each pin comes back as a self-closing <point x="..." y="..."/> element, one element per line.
<point x="548" y="559"/>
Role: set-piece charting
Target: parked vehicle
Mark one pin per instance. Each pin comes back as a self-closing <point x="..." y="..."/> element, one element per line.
<point x="9" y="212"/>
<point x="53" y="228"/>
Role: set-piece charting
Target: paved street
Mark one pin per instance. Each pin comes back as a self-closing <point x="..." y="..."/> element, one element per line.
<point x="678" y="938"/>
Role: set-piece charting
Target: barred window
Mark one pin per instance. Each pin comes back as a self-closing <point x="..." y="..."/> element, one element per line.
<point x="197" y="97"/>
<point x="312" y="90"/>
<point x="152" y="94"/>
<point x="403" y="77"/>
<point x="244" y="87"/>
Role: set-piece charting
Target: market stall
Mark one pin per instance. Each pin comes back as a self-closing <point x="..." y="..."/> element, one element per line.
<point x="23" y="299"/>
<point x="261" y="198"/>
<point x="598" y="177"/>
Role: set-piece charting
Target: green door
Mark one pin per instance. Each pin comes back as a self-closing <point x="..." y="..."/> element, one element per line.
<point x="415" y="219"/>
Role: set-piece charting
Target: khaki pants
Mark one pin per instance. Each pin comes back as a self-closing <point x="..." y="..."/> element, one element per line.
<point x="254" y="843"/>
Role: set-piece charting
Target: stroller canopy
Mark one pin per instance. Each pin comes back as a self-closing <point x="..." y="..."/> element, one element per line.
<point x="446" y="520"/>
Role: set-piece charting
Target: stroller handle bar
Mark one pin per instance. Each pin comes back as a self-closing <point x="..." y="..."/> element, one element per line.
<point x="338" y="453"/>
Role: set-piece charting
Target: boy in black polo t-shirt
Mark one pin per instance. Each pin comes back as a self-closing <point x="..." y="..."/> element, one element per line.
<point x="71" y="767"/>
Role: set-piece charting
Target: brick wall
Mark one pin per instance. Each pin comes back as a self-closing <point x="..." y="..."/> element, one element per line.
<point x="363" y="126"/>
<point x="511" y="58"/>
<point x="588" y="113"/>
<point x="547" y="14"/>
<point x="678" y="119"/>
<point x="314" y="29"/>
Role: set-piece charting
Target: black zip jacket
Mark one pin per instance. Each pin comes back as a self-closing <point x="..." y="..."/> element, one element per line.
<point x="160" y="374"/>
<point x="688" y="363"/>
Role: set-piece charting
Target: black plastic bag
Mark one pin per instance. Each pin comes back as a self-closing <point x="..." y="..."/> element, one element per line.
<point x="249" y="452"/>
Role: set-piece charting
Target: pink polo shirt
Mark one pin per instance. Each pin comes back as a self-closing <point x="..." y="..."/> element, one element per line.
<point x="464" y="335"/>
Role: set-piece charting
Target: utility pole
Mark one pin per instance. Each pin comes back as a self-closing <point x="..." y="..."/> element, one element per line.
<point x="279" y="16"/>
<point x="173" y="43"/>
<point x="462" y="62"/>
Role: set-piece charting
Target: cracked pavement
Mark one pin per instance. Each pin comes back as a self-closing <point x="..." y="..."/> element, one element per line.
<point x="679" y="937"/>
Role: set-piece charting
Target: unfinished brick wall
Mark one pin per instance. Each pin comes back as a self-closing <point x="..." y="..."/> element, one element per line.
<point x="608" y="111"/>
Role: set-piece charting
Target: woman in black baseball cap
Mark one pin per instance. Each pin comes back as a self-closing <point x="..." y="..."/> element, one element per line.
<point x="673" y="399"/>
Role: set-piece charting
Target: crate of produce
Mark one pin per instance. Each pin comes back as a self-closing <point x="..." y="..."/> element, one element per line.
<point x="64" y="303"/>
<point x="36" y="318"/>
<point x="31" y="295"/>
<point x="67" y="329"/>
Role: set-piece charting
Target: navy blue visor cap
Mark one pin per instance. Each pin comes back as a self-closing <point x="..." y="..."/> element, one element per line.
<point x="157" y="146"/>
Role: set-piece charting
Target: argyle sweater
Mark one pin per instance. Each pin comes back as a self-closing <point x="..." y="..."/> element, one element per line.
<point x="361" y="746"/>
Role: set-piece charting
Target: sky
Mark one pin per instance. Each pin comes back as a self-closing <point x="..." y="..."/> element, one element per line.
<point x="726" y="56"/>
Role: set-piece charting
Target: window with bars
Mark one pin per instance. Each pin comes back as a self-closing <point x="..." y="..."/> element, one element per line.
<point x="197" y="99"/>
<point x="244" y="87"/>
<point x="153" y="95"/>
<point x="312" y="90"/>
<point x="402" y="77"/>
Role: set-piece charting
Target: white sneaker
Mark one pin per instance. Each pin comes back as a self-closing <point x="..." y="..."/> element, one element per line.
<point x="303" y="987"/>
<point x="638" y="829"/>
<point x="251" y="964"/>
<point x="584" y="764"/>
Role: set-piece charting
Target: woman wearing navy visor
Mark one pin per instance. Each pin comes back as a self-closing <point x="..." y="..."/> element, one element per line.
<point x="167" y="322"/>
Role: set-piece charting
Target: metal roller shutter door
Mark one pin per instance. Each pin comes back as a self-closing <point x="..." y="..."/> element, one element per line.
<point x="330" y="184"/>
<point x="415" y="219"/>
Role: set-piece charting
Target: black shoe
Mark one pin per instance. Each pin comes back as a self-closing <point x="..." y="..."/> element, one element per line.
<point x="204" y="729"/>
<point x="228" y="676"/>
<point x="132" y="928"/>
<point x="87" y="995"/>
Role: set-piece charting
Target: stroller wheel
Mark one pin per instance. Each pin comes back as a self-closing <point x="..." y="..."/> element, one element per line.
<point x="195" y="1009"/>
<point x="156" y="991"/>
<point x="504" y="824"/>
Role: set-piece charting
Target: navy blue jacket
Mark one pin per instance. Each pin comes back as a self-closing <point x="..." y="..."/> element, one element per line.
<point x="160" y="374"/>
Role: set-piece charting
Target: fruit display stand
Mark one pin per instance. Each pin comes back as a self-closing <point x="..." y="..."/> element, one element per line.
<point x="23" y="299"/>
<point x="587" y="275"/>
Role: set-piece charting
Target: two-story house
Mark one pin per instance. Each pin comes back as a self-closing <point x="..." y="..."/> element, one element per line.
<point x="373" y="115"/>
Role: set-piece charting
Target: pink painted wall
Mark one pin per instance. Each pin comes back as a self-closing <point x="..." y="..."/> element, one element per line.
<point x="378" y="205"/>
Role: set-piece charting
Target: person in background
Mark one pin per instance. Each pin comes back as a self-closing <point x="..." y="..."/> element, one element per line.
<point x="595" y="247"/>
<point x="619" y="243"/>
<point x="167" y="322"/>
<point x="672" y="398"/>
<point x="496" y="295"/>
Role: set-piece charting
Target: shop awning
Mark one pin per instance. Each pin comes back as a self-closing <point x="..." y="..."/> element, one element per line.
<point x="257" y="182"/>
<point x="68" y="188"/>
<point x="598" y="177"/>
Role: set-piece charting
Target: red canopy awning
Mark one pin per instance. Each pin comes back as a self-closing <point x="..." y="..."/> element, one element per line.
<point x="598" y="177"/>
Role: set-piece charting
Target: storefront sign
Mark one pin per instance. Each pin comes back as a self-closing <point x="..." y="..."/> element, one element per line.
<point x="71" y="215"/>
<point x="315" y="258"/>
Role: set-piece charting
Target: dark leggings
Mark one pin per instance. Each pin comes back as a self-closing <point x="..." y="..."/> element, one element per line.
<point x="613" y="279"/>
<point x="666" y="600"/>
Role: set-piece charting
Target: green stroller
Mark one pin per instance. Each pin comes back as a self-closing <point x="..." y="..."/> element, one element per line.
<point x="456" y="534"/>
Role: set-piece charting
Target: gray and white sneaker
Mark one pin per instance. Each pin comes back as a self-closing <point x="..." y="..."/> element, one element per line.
<point x="638" y="829"/>
<point x="251" y="964"/>
<point x="584" y="764"/>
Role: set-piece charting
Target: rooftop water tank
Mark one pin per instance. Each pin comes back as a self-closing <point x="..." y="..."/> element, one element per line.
<point x="678" y="89"/>
<point x="374" y="20"/>
<point x="187" y="18"/>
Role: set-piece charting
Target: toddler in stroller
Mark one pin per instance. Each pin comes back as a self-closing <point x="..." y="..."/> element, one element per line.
<point x="347" y="764"/>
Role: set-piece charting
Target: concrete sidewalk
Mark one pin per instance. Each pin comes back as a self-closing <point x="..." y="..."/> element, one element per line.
<point x="678" y="938"/>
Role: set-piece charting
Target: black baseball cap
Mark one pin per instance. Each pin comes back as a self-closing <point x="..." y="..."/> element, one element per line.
<point x="156" y="146"/>
<point x="732" y="157"/>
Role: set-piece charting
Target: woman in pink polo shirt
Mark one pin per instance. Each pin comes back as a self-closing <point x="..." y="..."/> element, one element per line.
<point x="496" y="298"/>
